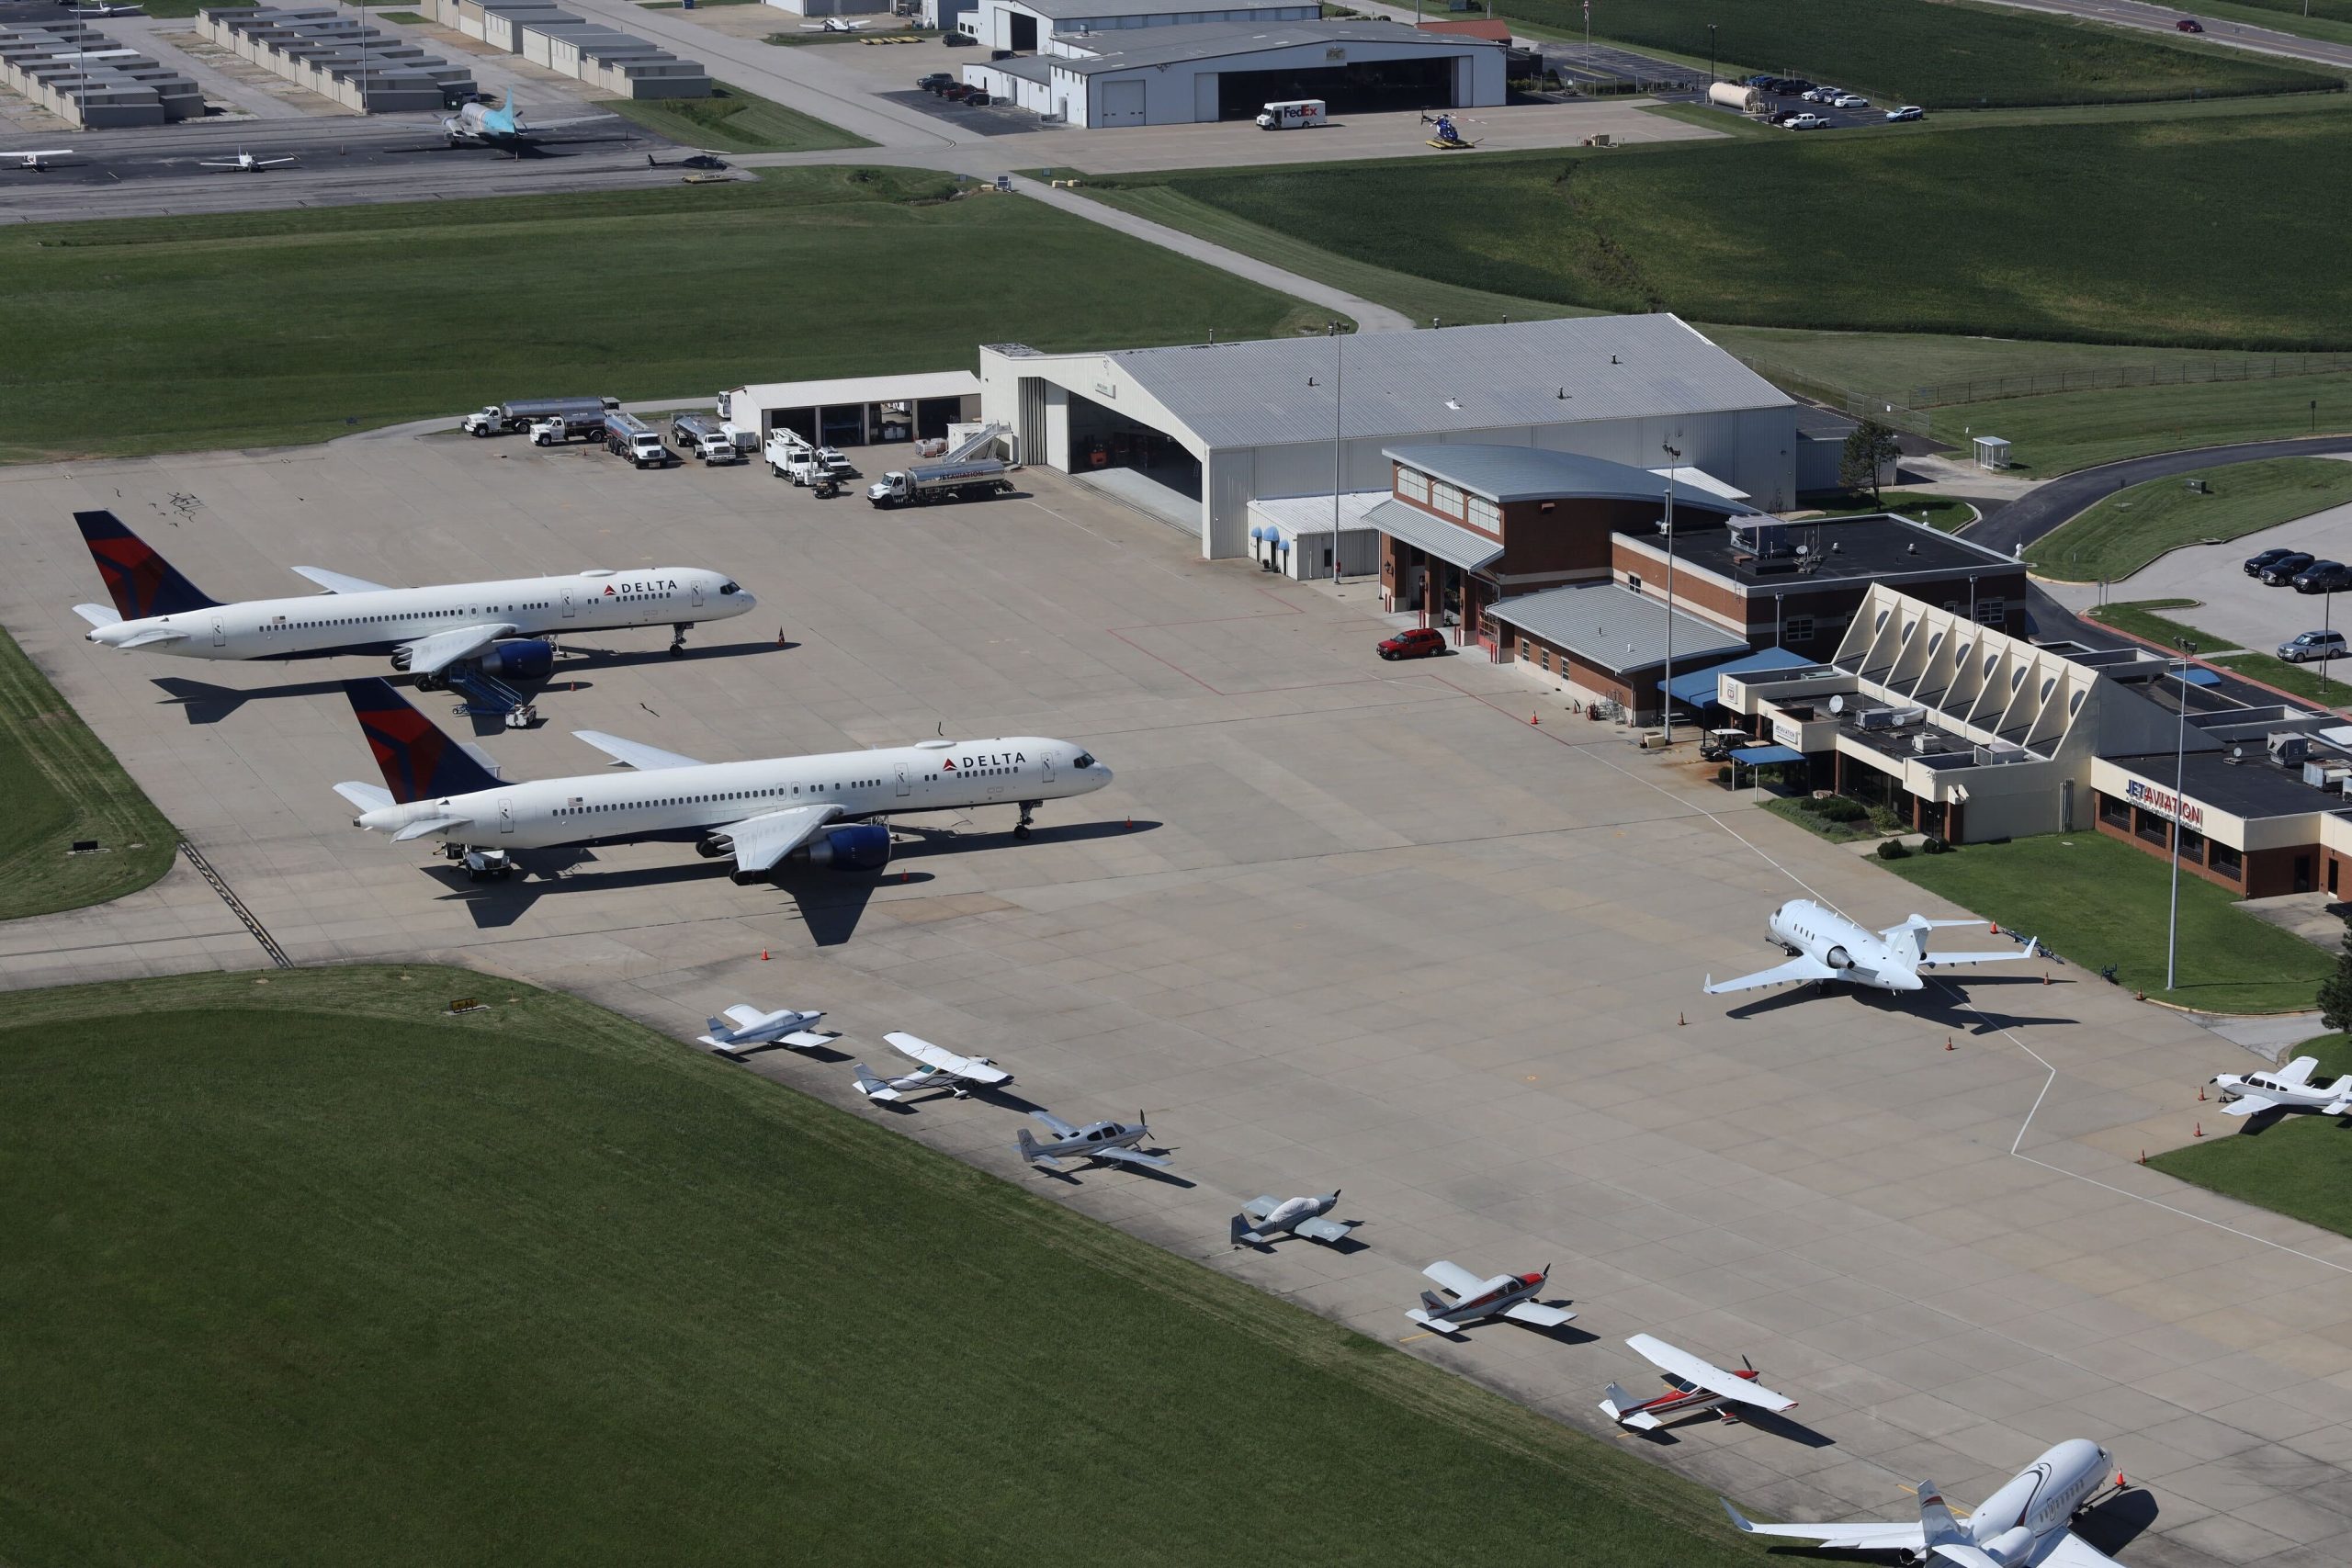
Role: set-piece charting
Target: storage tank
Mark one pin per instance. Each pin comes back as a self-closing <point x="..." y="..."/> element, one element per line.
<point x="1732" y="96"/>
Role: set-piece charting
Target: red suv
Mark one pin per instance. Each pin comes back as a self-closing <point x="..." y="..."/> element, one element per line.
<point x="2189" y="25"/>
<point x="1420" y="643"/>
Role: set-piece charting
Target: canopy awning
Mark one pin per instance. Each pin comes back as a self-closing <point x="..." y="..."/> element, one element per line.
<point x="1759" y="756"/>
<point x="1699" y="687"/>
<point x="1435" y="535"/>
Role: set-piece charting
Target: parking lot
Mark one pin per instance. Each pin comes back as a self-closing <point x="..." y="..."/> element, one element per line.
<point x="1337" y="922"/>
<point x="2231" y="604"/>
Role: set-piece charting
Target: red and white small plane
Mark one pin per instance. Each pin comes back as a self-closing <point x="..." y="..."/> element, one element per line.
<point x="1692" y="1385"/>
<point x="1476" y="1300"/>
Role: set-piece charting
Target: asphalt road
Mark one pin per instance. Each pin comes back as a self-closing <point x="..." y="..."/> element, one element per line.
<point x="2031" y="515"/>
<point x="2161" y="19"/>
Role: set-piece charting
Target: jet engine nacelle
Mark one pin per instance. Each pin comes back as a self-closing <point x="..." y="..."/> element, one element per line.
<point x="1839" y="958"/>
<point x="717" y="844"/>
<point x="519" y="658"/>
<point x="864" y="846"/>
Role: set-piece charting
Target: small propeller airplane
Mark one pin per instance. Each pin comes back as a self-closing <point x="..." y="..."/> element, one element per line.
<point x="1826" y="945"/>
<point x="1476" y="1300"/>
<point x="476" y="124"/>
<point x="832" y="25"/>
<point x="1262" y="1222"/>
<point x="2027" y="1524"/>
<point x="939" y="1068"/>
<point x="245" y="163"/>
<point x="754" y="1029"/>
<point x="1095" y="1140"/>
<point x="35" y="162"/>
<point x="2289" y="1088"/>
<point x="1692" y="1385"/>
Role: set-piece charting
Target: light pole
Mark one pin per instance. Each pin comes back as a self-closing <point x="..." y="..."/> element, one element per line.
<point x="1673" y="456"/>
<point x="1338" y="373"/>
<point x="1711" y="54"/>
<point x="2179" y="763"/>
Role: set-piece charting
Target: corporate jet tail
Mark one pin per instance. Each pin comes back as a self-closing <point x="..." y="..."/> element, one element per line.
<point x="419" y="762"/>
<point x="1942" y="1536"/>
<point x="142" y="582"/>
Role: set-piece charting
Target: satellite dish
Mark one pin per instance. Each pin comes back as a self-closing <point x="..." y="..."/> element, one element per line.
<point x="1804" y="549"/>
<point x="1837" y="704"/>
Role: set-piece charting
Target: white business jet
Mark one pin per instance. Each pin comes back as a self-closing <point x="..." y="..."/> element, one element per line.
<point x="746" y="1028"/>
<point x="245" y="163"/>
<point x="936" y="1067"/>
<point x="2289" y="1088"/>
<point x="2028" y="1522"/>
<point x="1826" y="945"/>
<point x="37" y="161"/>
<point x="818" y="809"/>
<point x="500" y="627"/>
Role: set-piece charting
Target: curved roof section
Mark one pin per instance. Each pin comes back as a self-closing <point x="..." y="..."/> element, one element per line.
<point x="1532" y="473"/>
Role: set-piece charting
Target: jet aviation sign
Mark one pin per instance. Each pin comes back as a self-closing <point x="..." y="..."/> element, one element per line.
<point x="2163" y="803"/>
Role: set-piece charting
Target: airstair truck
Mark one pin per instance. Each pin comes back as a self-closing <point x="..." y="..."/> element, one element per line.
<point x="927" y="484"/>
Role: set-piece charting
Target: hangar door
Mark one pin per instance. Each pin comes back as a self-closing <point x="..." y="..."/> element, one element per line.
<point x="1122" y="103"/>
<point x="1368" y="87"/>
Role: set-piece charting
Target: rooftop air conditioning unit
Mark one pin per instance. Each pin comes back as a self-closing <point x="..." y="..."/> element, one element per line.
<point x="2290" y="748"/>
<point x="1927" y="743"/>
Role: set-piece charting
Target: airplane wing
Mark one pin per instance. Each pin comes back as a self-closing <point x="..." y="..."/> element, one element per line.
<point x="946" y="1061"/>
<point x="336" y="582"/>
<point x="2299" y="1071"/>
<point x="1258" y="1208"/>
<point x="1531" y="1313"/>
<point x="2248" y="1105"/>
<point x="762" y="840"/>
<point x="1794" y="970"/>
<point x="2030" y="950"/>
<point x="2066" y="1550"/>
<point x="745" y="1015"/>
<point x="272" y="163"/>
<point x="644" y="759"/>
<point x="1132" y="1157"/>
<point x="1706" y="1374"/>
<point x="366" y="796"/>
<point x="1910" y="1536"/>
<point x="431" y="655"/>
<point x="1455" y="1278"/>
<point x="1321" y="1230"/>
<point x="1061" y="1129"/>
<point x="40" y="152"/>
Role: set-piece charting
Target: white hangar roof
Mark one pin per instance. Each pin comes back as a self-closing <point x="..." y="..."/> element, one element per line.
<point x="1467" y="378"/>
<point x="1128" y="48"/>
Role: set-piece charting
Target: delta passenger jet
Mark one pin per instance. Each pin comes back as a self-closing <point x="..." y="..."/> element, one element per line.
<point x="818" y="809"/>
<point x="502" y="628"/>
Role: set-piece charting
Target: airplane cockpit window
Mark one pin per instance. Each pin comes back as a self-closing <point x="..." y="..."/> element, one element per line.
<point x="1083" y="760"/>
<point x="1681" y="1384"/>
<point x="730" y="587"/>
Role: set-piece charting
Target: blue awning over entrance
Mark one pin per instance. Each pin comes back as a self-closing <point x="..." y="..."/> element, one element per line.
<point x="1759" y="756"/>
<point x="1698" y="689"/>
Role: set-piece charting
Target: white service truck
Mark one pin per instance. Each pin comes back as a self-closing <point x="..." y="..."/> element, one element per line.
<point x="498" y="419"/>
<point x="558" y="429"/>
<point x="703" y="435"/>
<point x="927" y="484"/>
<point x="626" y="436"/>
<point x="791" y="457"/>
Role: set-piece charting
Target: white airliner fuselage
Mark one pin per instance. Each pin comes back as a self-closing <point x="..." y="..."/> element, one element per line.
<point x="379" y="620"/>
<point x="1824" y="945"/>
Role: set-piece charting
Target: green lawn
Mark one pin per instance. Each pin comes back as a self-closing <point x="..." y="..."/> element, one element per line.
<point x="2305" y="680"/>
<point x="2141" y="618"/>
<point x="2308" y="681"/>
<point x="1940" y="512"/>
<point x="2098" y="901"/>
<point x="732" y="120"/>
<point x="2077" y="430"/>
<point x="2099" y="253"/>
<point x="61" y="785"/>
<point x="236" y="330"/>
<point x="302" y="1270"/>
<point x="1947" y="56"/>
<point x="410" y="17"/>
<point x="2130" y="528"/>
<point x="2300" y="1164"/>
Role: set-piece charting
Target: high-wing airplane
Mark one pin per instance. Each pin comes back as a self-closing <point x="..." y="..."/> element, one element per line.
<point x="766" y="815"/>
<point x="1262" y="1222"/>
<point x="96" y="12"/>
<point x="1691" y="1385"/>
<point x="2289" y="1088"/>
<point x="479" y="125"/>
<point x="1505" y="1295"/>
<point x="245" y="163"/>
<point x="1826" y="945"/>
<point x="2027" y="1524"/>
<point x="1095" y="1140"/>
<point x="748" y="1027"/>
<point x="37" y="161"/>
<point x="937" y="1069"/>
<point x="501" y="627"/>
<point x="831" y="25"/>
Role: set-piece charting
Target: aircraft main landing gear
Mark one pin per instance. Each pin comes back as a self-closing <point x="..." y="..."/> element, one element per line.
<point x="678" y="639"/>
<point x="1028" y="810"/>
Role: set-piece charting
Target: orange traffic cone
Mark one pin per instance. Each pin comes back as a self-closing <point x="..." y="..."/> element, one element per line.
<point x="2143" y="1156"/>
<point x="2200" y="1130"/>
<point x="1530" y="715"/>
<point x="1948" y="1045"/>
<point x="1996" y="928"/>
<point x="1681" y="1022"/>
<point x="2201" y="1093"/>
<point x="764" y="955"/>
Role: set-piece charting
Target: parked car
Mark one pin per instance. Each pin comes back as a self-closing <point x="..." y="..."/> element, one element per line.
<point x="956" y="92"/>
<point x="1763" y="82"/>
<point x="2313" y="645"/>
<point x="2324" y="577"/>
<point x="2189" y="25"/>
<point x="1806" y="123"/>
<point x="2280" y="572"/>
<point x="1909" y="111"/>
<point x="1797" y="86"/>
<point x="975" y="98"/>
<point x="958" y="40"/>
<point x="1849" y="101"/>
<point x="2254" y="564"/>
<point x="1422" y="642"/>
<point x="934" y="82"/>
<point x="1780" y="117"/>
<point x="1818" y="95"/>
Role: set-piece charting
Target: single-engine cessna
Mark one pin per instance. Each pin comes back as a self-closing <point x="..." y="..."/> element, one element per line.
<point x="1476" y="1300"/>
<point x="746" y="1028"/>
<point x="1691" y="1385"/>
<point x="35" y="162"/>
<point x="2027" y="1524"/>
<point x="1826" y="945"/>
<point x="1113" y="1141"/>
<point x="244" y="162"/>
<point x="501" y="627"/>
<point x="936" y="1068"/>
<point x="1262" y="1222"/>
<point x="2287" y="1089"/>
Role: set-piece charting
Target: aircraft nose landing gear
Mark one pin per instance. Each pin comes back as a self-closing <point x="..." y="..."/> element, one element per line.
<point x="1028" y="812"/>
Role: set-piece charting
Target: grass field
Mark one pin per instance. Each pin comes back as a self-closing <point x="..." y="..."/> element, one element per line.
<point x="1944" y="56"/>
<point x="2099" y="253"/>
<point x="2146" y="619"/>
<point x="2132" y="527"/>
<point x="2098" y="902"/>
<point x="2077" y="430"/>
<point x="732" y="120"/>
<point x="1938" y="512"/>
<point x="2299" y="1164"/>
<point x="235" y="330"/>
<point x="318" y="1274"/>
<point x="60" y="786"/>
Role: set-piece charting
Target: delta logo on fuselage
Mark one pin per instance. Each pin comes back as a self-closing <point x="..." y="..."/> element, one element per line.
<point x="612" y="589"/>
<point x="1010" y="760"/>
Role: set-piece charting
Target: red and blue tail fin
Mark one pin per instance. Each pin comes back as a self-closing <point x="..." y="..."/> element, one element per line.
<point x="142" y="582"/>
<point x="419" y="762"/>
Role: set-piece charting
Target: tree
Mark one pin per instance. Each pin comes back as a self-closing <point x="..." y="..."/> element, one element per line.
<point x="2335" y="991"/>
<point x="1869" y="446"/>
